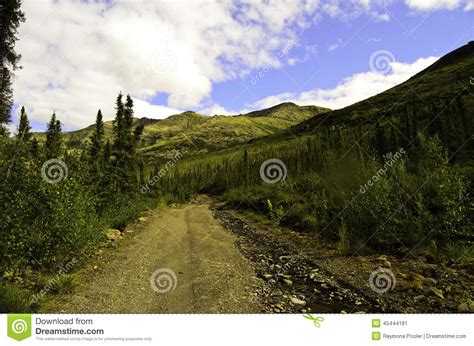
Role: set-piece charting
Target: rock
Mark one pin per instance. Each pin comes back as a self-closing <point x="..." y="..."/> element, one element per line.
<point x="429" y="282"/>
<point x="288" y="282"/>
<point x="325" y="286"/>
<point x="382" y="258"/>
<point x="387" y="264"/>
<point x="297" y="301"/>
<point x="142" y="219"/>
<point x="113" y="234"/>
<point x="267" y="276"/>
<point x="466" y="307"/>
<point x="437" y="292"/>
<point x="415" y="276"/>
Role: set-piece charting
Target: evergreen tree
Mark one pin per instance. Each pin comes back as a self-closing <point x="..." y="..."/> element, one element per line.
<point x="24" y="127"/>
<point x="53" y="138"/>
<point x="119" y="124"/>
<point x="137" y="133"/>
<point x="10" y="18"/>
<point x="97" y="137"/>
<point x="125" y="143"/>
<point x="35" y="148"/>
<point x="107" y="151"/>
<point x="128" y="123"/>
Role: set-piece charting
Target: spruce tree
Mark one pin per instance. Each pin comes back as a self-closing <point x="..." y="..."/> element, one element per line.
<point x="118" y="124"/>
<point x="107" y="151"/>
<point x="53" y="138"/>
<point x="125" y="143"/>
<point x="97" y="137"/>
<point x="35" y="148"/>
<point x="10" y="18"/>
<point x="24" y="127"/>
<point x="128" y="123"/>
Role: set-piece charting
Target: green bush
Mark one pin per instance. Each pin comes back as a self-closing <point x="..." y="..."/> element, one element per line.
<point x="14" y="299"/>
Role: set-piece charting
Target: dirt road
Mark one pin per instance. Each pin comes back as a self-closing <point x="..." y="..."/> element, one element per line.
<point x="211" y="276"/>
<point x="201" y="259"/>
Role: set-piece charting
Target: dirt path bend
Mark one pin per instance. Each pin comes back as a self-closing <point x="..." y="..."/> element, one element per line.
<point x="188" y="242"/>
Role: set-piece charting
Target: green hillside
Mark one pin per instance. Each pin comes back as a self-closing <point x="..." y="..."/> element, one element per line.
<point x="398" y="164"/>
<point x="437" y="100"/>
<point x="200" y="133"/>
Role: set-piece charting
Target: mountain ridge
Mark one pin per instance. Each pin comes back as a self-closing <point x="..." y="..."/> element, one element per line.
<point x="199" y="132"/>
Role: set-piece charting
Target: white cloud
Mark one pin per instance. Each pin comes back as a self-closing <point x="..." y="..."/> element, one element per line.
<point x="353" y="89"/>
<point x="432" y="5"/>
<point x="77" y="55"/>
<point x="12" y="128"/>
<point x="145" y="109"/>
<point x="469" y="5"/>
<point x="216" y="109"/>
<point x="348" y="9"/>
<point x="334" y="46"/>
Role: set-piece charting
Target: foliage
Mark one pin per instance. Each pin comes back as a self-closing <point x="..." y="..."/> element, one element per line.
<point x="24" y="127"/>
<point x="44" y="225"/>
<point x="53" y="142"/>
<point x="10" y="18"/>
<point x="413" y="199"/>
<point x="14" y="299"/>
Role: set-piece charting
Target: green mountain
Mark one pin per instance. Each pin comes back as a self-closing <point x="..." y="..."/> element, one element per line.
<point x="388" y="173"/>
<point x="200" y="133"/>
<point x="438" y="100"/>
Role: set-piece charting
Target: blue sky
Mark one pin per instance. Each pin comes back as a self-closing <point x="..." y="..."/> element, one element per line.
<point x="205" y="56"/>
<point x="409" y="37"/>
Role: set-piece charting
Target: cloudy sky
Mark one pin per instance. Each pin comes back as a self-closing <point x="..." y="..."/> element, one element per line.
<point x="224" y="57"/>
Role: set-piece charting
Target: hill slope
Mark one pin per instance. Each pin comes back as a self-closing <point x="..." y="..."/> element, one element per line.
<point x="200" y="133"/>
<point x="439" y="99"/>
